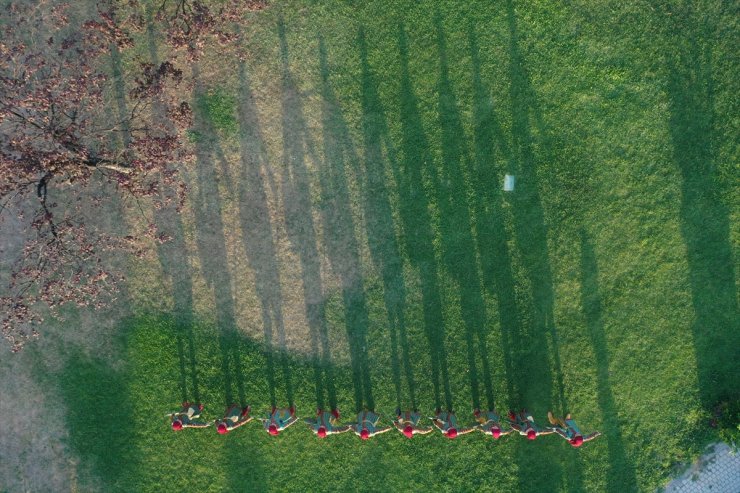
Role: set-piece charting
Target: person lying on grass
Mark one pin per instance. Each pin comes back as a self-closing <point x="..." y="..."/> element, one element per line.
<point x="187" y="417"/>
<point x="278" y="419"/>
<point x="408" y="423"/>
<point x="490" y="422"/>
<point x="446" y="422"/>
<point x="325" y="423"/>
<point x="568" y="429"/>
<point x="523" y="422"/>
<point x="367" y="425"/>
<point x="234" y="417"/>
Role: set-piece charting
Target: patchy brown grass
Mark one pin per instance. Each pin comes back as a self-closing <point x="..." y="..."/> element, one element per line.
<point x="35" y="457"/>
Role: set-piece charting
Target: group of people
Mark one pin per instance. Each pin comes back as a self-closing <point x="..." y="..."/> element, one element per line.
<point x="366" y="425"/>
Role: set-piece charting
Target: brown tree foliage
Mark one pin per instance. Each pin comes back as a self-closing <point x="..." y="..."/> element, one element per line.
<point x="190" y="24"/>
<point x="60" y="142"/>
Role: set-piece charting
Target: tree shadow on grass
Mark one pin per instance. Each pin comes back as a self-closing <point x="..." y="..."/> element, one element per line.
<point x="211" y="241"/>
<point x="116" y="418"/>
<point x="457" y="229"/>
<point x="621" y="472"/>
<point x="300" y="226"/>
<point x="384" y="248"/>
<point x="418" y="233"/>
<point x="705" y="220"/>
<point x="339" y="232"/>
<point x="99" y="419"/>
<point x="257" y="234"/>
<point x="120" y="95"/>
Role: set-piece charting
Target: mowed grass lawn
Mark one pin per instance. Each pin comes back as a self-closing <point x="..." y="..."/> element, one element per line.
<point x="604" y="285"/>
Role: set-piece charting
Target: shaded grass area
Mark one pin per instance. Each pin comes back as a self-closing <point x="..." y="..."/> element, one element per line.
<point x="604" y="286"/>
<point x="119" y="431"/>
<point x="705" y="219"/>
<point x="117" y="426"/>
<point x="101" y="419"/>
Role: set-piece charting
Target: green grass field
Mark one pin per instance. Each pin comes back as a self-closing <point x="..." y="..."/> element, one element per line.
<point x="346" y="207"/>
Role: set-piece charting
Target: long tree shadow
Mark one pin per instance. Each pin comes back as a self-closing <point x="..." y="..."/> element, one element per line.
<point x="384" y="248"/>
<point x="339" y="232"/>
<point x="456" y="227"/>
<point x="492" y="237"/>
<point x="705" y="220"/>
<point x="300" y="225"/>
<point x="418" y="233"/>
<point x="173" y="257"/>
<point x="211" y="242"/>
<point x="120" y="95"/>
<point x="621" y="472"/>
<point x="257" y="233"/>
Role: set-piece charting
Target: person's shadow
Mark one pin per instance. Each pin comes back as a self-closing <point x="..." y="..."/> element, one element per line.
<point x="299" y="222"/>
<point x="418" y="238"/>
<point x="379" y="156"/>
<point x="339" y="232"/>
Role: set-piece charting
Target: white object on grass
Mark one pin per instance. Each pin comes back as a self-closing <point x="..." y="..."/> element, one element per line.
<point x="508" y="183"/>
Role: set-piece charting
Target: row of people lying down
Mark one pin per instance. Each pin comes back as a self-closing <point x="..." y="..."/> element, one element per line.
<point x="366" y="425"/>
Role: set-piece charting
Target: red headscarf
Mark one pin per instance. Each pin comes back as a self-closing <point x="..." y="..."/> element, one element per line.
<point x="408" y="431"/>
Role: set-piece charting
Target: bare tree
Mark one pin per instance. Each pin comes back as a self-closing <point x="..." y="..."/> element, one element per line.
<point x="189" y="24"/>
<point x="57" y="133"/>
